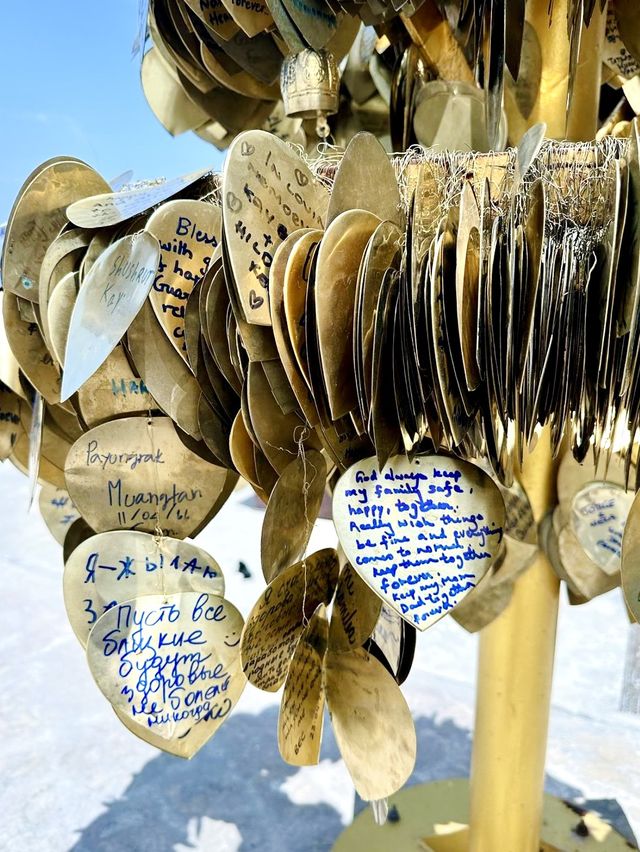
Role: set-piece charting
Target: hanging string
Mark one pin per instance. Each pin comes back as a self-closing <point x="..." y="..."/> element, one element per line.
<point x="158" y="535"/>
<point x="302" y="435"/>
<point x="309" y="473"/>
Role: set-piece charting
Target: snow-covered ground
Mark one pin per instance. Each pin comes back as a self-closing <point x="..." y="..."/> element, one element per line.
<point x="72" y="777"/>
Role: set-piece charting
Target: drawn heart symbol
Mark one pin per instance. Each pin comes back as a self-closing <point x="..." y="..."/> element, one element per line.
<point x="255" y="301"/>
<point x="301" y="177"/>
<point x="421" y="533"/>
<point x="246" y="149"/>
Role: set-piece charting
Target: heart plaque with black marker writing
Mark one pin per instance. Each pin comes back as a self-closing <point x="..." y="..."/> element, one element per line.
<point x="268" y="191"/>
<point x="135" y="473"/>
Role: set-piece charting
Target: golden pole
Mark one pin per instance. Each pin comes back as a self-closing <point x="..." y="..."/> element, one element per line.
<point x="515" y="668"/>
<point x="515" y="665"/>
<point x="551" y="104"/>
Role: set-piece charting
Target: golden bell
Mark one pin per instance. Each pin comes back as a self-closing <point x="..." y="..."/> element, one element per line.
<point x="309" y="82"/>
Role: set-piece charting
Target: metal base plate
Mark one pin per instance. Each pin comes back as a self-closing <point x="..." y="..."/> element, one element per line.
<point x="434" y="818"/>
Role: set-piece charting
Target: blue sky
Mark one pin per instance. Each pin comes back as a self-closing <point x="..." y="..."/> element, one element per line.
<point x="69" y="86"/>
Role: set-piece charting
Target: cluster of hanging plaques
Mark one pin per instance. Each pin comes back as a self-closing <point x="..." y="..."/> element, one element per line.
<point x="372" y="328"/>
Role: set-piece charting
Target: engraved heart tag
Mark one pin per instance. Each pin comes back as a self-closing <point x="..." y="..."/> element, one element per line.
<point x="136" y="473"/>
<point x="109" y="300"/>
<point x="421" y="533"/>
<point x="267" y="192"/>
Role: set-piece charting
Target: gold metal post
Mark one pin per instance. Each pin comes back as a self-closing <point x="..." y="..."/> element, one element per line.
<point x="515" y="669"/>
<point x="516" y="655"/>
<point x="551" y="104"/>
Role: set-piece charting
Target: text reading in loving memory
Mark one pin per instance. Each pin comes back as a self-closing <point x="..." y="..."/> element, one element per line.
<point x="410" y="533"/>
<point x="279" y="197"/>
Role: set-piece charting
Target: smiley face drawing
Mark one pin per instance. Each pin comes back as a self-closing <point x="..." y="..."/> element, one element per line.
<point x="231" y="641"/>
